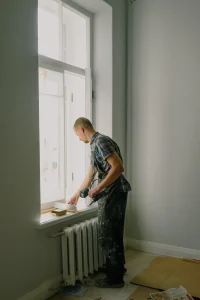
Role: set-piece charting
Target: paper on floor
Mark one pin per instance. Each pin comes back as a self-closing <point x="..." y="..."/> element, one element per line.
<point x="172" y="294"/>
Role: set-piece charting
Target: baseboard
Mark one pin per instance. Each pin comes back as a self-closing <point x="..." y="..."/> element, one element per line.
<point x="161" y="249"/>
<point x="44" y="291"/>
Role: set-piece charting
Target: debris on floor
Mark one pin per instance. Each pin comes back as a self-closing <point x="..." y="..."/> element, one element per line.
<point x="77" y="290"/>
<point x="144" y="293"/>
<point x="172" y="294"/>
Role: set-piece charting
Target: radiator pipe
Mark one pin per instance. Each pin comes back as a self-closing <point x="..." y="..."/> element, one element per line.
<point x="58" y="234"/>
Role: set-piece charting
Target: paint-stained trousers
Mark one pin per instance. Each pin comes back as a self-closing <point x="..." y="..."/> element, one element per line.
<point x="111" y="215"/>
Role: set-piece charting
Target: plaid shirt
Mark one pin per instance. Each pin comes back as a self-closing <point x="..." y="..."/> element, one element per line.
<point x="104" y="147"/>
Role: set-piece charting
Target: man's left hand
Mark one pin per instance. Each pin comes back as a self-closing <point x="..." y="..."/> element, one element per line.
<point x="94" y="192"/>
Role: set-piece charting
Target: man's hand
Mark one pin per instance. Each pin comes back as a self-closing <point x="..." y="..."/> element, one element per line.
<point x="86" y="183"/>
<point x="74" y="199"/>
<point x="94" y="192"/>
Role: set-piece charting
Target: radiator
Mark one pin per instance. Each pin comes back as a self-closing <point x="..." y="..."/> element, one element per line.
<point x="81" y="253"/>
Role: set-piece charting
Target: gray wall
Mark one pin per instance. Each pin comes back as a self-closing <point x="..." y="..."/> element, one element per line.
<point x="28" y="257"/>
<point x="110" y="72"/>
<point x="103" y="71"/>
<point x="165" y="126"/>
<point x="119" y="73"/>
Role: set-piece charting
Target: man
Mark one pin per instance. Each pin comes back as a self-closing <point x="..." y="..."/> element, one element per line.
<point x="106" y="160"/>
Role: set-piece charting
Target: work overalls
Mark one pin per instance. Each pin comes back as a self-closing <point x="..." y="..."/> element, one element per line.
<point x="111" y="215"/>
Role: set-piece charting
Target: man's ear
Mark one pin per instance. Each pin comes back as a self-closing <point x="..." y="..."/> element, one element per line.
<point x="82" y="129"/>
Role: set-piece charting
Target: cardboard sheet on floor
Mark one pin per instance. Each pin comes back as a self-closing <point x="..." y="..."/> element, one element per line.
<point x="141" y="293"/>
<point x="170" y="272"/>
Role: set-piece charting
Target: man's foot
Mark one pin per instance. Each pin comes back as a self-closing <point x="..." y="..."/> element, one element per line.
<point x="106" y="283"/>
<point x="104" y="270"/>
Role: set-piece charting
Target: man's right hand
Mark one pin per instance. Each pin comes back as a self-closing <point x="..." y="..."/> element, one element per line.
<point x="86" y="183"/>
<point x="74" y="199"/>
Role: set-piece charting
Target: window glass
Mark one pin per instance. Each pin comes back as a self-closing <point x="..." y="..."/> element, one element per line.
<point x="48" y="29"/>
<point x="51" y="117"/>
<point x="75" y="95"/>
<point x="74" y="34"/>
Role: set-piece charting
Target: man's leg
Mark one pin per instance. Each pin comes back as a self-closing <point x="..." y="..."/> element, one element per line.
<point x="111" y="227"/>
<point x="117" y="257"/>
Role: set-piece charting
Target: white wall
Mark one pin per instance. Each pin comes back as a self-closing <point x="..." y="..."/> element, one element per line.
<point x="28" y="256"/>
<point x="164" y="126"/>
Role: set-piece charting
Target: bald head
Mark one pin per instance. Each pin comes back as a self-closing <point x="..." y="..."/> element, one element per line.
<point x="83" y="123"/>
<point x="84" y="129"/>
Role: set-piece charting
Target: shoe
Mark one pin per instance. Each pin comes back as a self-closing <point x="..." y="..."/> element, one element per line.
<point x="104" y="270"/>
<point x="106" y="283"/>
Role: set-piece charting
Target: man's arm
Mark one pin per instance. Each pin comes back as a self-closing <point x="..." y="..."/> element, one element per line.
<point x="116" y="170"/>
<point x="85" y="184"/>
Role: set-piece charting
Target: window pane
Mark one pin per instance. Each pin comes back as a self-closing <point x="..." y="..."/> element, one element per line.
<point x="50" y="82"/>
<point x="48" y="29"/>
<point x="51" y="106"/>
<point x="74" y="33"/>
<point x="76" y="150"/>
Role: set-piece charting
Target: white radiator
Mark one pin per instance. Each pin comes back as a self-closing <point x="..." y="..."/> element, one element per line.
<point x="81" y="253"/>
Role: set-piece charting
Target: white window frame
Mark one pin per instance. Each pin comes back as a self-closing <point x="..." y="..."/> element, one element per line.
<point x="60" y="66"/>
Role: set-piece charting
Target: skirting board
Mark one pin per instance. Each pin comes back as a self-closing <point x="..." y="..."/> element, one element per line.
<point x="44" y="291"/>
<point x="161" y="249"/>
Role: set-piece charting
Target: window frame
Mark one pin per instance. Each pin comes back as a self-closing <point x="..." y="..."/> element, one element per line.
<point x="60" y="66"/>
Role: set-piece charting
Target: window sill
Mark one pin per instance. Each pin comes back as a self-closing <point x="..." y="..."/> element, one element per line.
<point x="47" y="220"/>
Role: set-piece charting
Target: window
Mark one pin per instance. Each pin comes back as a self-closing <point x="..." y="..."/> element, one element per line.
<point x="64" y="95"/>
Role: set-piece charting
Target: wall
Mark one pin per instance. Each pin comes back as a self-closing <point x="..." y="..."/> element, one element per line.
<point x="164" y="122"/>
<point x="28" y="257"/>
<point x="119" y="104"/>
<point x="103" y="71"/>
